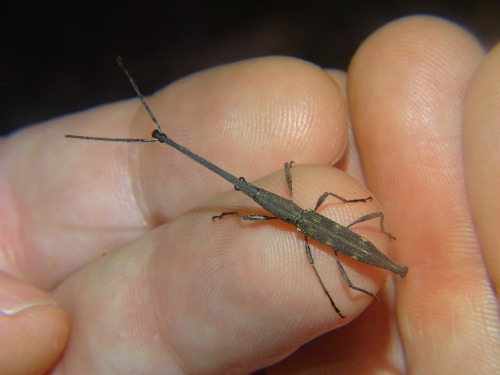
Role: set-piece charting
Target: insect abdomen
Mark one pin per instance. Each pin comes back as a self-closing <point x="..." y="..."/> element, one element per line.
<point x="345" y="241"/>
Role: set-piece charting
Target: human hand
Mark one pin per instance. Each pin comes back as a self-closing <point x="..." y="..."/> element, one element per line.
<point x="122" y="233"/>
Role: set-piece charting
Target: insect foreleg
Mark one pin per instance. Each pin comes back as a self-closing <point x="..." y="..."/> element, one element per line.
<point x="288" y="176"/>
<point x="244" y="217"/>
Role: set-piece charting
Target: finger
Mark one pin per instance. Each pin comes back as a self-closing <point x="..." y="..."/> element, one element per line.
<point x="482" y="158"/>
<point x="93" y="196"/>
<point x="349" y="161"/>
<point x="407" y="85"/>
<point x="248" y="118"/>
<point x="370" y="337"/>
<point x="33" y="329"/>
<point x="197" y="296"/>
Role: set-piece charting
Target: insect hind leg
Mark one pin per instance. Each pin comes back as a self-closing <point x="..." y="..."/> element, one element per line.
<point x="311" y="262"/>
<point x="348" y="281"/>
<point x="343" y="273"/>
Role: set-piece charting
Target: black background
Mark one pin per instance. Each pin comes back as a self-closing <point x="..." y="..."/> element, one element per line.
<point x="59" y="57"/>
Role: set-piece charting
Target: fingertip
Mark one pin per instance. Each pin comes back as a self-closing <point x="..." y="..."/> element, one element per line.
<point x="33" y="328"/>
<point x="33" y="339"/>
<point x="406" y="83"/>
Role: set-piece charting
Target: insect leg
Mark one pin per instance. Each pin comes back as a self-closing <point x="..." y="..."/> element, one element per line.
<point x="347" y="280"/>
<point x="245" y="217"/>
<point x="288" y="176"/>
<point x="323" y="196"/>
<point x="311" y="261"/>
<point x="373" y="215"/>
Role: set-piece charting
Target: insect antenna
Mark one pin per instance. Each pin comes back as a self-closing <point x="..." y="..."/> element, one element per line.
<point x="138" y="92"/>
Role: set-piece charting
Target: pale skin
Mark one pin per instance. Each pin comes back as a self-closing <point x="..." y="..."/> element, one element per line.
<point x="121" y="239"/>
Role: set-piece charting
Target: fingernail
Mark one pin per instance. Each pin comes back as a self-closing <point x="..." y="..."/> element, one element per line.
<point x="17" y="296"/>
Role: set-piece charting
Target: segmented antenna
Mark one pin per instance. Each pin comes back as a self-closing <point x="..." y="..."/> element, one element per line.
<point x="119" y="60"/>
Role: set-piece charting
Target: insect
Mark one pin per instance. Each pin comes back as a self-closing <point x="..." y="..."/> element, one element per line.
<point x="307" y="221"/>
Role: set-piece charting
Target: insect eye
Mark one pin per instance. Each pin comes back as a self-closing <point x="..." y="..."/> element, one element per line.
<point x="236" y="187"/>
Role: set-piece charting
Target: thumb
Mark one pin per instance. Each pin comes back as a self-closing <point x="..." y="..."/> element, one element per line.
<point x="231" y="296"/>
<point x="33" y="329"/>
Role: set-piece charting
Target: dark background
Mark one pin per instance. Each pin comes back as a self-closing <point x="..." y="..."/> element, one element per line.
<point x="59" y="57"/>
